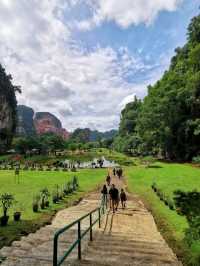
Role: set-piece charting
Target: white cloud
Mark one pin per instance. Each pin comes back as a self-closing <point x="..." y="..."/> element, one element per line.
<point x="127" y="99"/>
<point x="126" y="12"/>
<point x="57" y="74"/>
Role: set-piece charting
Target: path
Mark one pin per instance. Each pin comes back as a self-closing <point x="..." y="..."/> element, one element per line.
<point x="128" y="237"/>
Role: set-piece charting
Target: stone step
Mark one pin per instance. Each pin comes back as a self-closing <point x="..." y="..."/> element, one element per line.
<point x="133" y="237"/>
<point x="101" y="240"/>
<point x="127" y="247"/>
<point x="86" y="262"/>
<point x="127" y="252"/>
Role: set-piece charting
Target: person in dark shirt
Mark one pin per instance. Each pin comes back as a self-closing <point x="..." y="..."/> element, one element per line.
<point x="108" y="179"/>
<point x="114" y="171"/>
<point x="114" y="197"/>
<point x="104" y="192"/>
<point x="123" y="198"/>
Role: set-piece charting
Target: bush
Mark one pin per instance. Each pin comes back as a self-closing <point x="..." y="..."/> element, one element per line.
<point x="7" y="201"/>
<point x="171" y="204"/>
<point x="196" y="159"/>
<point x="194" y="258"/>
<point x="188" y="203"/>
<point x="35" y="204"/>
<point x="154" y="187"/>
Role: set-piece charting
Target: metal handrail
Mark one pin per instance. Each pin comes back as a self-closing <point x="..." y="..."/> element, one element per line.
<point x="100" y="210"/>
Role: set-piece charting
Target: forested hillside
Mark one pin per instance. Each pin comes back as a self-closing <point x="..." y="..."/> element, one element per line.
<point x="84" y="135"/>
<point x="167" y="122"/>
<point x="8" y="106"/>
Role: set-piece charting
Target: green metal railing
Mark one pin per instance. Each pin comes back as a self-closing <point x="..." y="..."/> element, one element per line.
<point x="100" y="210"/>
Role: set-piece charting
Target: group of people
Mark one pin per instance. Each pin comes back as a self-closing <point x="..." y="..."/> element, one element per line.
<point x="113" y="195"/>
<point x="118" y="172"/>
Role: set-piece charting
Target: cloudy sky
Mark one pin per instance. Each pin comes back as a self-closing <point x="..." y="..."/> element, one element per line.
<point x="83" y="60"/>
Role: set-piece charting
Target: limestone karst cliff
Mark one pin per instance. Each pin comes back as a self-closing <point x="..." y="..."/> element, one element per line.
<point x="8" y="105"/>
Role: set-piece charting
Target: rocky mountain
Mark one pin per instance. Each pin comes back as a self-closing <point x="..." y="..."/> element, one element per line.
<point x="30" y="123"/>
<point x="46" y="122"/>
<point x="8" y="105"/>
<point x="25" y="126"/>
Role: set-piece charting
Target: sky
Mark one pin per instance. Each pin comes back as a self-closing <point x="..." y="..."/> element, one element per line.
<point x="83" y="60"/>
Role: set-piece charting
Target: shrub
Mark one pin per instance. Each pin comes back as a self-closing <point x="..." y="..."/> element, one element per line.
<point x="75" y="184"/>
<point x="171" y="204"/>
<point x="196" y="159"/>
<point x="7" y="201"/>
<point x="35" y="204"/>
<point x="188" y="203"/>
<point x="194" y="258"/>
<point x="44" y="195"/>
<point x="154" y="187"/>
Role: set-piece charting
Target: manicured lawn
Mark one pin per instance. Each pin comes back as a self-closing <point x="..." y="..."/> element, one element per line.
<point x="31" y="182"/>
<point x="168" y="177"/>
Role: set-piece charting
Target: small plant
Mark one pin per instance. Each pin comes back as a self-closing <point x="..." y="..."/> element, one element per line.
<point x="196" y="159"/>
<point x="18" y="207"/>
<point x="154" y="187"/>
<point x="171" y="204"/>
<point x="65" y="189"/>
<point x="55" y="195"/>
<point x="70" y="187"/>
<point x="7" y="201"/>
<point x="35" y="205"/>
<point x="44" y="195"/>
<point x="75" y="183"/>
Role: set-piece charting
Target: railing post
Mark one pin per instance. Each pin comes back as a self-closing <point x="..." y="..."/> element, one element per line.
<point x="55" y="250"/>
<point x="79" y="240"/>
<point x="90" y="226"/>
<point x="99" y="211"/>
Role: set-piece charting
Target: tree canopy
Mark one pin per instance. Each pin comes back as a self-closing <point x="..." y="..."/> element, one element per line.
<point x="167" y="122"/>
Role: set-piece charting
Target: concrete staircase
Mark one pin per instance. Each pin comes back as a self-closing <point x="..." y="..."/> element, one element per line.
<point x="125" y="245"/>
<point x="127" y="237"/>
<point x="36" y="249"/>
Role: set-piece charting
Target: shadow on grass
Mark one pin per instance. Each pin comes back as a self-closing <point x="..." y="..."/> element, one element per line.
<point x="155" y="166"/>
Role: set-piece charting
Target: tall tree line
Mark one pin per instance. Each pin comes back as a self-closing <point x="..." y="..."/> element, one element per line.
<point x="167" y="122"/>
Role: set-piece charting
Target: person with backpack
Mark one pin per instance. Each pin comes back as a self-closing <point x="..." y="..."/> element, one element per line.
<point x="108" y="179"/>
<point x="114" y="171"/>
<point x="104" y="192"/>
<point x="114" y="198"/>
<point x="123" y="198"/>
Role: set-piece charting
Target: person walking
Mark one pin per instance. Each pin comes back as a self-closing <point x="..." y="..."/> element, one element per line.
<point x="114" y="171"/>
<point x="123" y="198"/>
<point x="104" y="192"/>
<point x="114" y="198"/>
<point x="108" y="179"/>
<point x="120" y="172"/>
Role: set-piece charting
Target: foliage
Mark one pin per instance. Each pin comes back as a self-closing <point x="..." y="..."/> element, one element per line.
<point x="85" y="135"/>
<point x="188" y="203"/>
<point x="193" y="259"/>
<point x="167" y="122"/>
<point x="7" y="201"/>
<point x="127" y="139"/>
<point x="196" y="159"/>
<point x="189" y="206"/>
<point x="43" y="143"/>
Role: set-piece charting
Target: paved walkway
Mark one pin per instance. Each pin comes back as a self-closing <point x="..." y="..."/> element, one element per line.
<point x="128" y="237"/>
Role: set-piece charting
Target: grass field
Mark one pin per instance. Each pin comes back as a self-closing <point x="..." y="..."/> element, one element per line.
<point x="168" y="177"/>
<point x="31" y="182"/>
